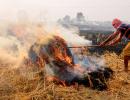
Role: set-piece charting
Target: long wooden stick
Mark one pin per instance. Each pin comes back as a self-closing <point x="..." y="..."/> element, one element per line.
<point x="84" y="46"/>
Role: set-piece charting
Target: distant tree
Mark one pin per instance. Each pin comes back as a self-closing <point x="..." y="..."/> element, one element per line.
<point x="67" y="19"/>
<point x="80" y="17"/>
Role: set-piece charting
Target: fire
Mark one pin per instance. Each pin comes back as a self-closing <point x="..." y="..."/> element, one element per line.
<point x="61" y="55"/>
<point x="57" y="57"/>
<point x="59" y="50"/>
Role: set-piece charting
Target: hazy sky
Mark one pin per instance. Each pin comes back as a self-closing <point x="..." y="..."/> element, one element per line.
<point x="100" y="10"/>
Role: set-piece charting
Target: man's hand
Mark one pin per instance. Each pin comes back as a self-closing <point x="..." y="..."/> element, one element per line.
<point x="102" y="44"/>
<point x="111" y="44"/>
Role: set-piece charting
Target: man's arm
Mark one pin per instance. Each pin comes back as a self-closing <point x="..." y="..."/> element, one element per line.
<point x="115" y="41"/>
<point x="110" y="38"/>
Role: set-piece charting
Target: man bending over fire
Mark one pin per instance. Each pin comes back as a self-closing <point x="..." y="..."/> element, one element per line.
<point x="122" y="30"/>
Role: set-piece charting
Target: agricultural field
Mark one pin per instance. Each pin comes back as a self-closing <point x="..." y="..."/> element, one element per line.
<point x="26" y="84"/>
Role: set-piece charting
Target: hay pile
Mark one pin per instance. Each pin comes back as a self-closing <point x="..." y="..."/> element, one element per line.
<point x="26" y="84"/>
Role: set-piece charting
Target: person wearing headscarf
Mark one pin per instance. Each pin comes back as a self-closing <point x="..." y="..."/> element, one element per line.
<point x="122" y="30"/>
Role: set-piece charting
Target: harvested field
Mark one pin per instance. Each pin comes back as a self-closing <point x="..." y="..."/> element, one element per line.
<point x="26" y="84"/>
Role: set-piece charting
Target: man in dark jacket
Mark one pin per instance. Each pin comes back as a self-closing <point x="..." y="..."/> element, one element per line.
<point x="122" y="30"/>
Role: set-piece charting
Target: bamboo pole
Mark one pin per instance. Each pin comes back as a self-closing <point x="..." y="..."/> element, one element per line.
<point x="84" y="46"/>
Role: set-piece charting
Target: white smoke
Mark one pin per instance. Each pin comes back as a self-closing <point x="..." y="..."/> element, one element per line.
<point x="17" y="37"/>
<point x="71" y="36"/>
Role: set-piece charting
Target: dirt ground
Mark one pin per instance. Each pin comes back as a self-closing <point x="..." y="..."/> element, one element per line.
<point x="28" y="86"/>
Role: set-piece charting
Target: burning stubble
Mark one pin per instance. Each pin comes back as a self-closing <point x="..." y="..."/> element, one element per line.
<point x="68" y="67"/>
<point x="39" y="46"/>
